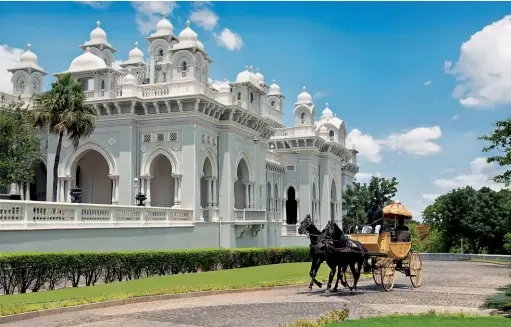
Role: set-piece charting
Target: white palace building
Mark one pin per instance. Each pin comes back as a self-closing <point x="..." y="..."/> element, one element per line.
<point x="217" y="164"/>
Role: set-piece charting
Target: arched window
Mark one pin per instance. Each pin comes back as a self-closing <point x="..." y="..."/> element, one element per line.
<point x="331" y="134"/>
<point x="239" y="96"/>
<point x="273" y="103"/>
<point x="102" y="84"/>
<point x="161" y="52"/>
<point x="251" y="97"/>
<point x="35" y="86"/>
<point x="302" y="117"/>
<point x="184" y="66"/>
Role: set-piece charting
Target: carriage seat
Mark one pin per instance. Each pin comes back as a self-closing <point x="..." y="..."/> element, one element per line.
<point x="401" y="236"/>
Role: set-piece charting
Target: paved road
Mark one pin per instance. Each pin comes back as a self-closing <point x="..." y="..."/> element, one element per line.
<point x="447" y="286"/>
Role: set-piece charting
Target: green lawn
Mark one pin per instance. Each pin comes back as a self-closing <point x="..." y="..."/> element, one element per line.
<point x="271" y="275"/>
<point x="427" y="321"/>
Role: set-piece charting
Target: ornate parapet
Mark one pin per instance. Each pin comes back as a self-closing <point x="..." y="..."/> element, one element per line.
<point x="351" y="168"/>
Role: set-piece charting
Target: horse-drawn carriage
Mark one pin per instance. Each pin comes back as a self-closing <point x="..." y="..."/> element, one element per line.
<point x="389" y="249"/>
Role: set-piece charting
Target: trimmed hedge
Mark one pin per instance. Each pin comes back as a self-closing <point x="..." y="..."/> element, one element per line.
<point x="20" y="272"/>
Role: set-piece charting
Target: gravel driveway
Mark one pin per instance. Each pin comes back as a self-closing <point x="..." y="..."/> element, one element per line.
<point x="447" y="286"/>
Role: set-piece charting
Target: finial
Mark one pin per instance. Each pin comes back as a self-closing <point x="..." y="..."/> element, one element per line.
<point x="136" y="44"/>
<point x="98" y="23"/>
<point x="246" y="67"/>
<point x="257" y="69"/>
<point x="163" y="14"/>
<point x="273" y="81"/>
<point x="29" y="46"/>
<point x="225" y="79"/>
<point x="188" y="23"/>
<point x="327" y="104"/>
<point x="87" y="50"/>
<point x="304" y="89"/>
<point x="251" y="68"/>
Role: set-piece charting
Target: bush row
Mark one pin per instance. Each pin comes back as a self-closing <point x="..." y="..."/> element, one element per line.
<point x="20" y="272"/>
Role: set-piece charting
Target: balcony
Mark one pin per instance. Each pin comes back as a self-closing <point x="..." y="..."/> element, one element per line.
<point x="22" y="215"/>
<point x="249" y="216"/>
<point x="292" y="132"/>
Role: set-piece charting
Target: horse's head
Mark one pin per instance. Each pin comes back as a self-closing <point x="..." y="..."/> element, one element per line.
<point x="305" y="224"/>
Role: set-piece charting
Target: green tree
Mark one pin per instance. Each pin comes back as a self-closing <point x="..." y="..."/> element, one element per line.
<point x="358" y="196"/>
<point x="62" y="110"/>
<point x="19" y="145"/>
<point x="500" y="139"/>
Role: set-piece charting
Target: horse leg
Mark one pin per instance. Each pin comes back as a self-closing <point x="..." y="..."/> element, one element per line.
<point x="339" y="277"/>
<point x="313" y="272"/>
<point x="356" y="273"/>
<point x="330" y="278"/>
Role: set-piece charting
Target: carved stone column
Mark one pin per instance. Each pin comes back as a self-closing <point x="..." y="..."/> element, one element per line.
<point x="115" y="188"/>
<point x="215" y="192"/>
<point x="177" y="189"/>
<point x="247" y="194"/>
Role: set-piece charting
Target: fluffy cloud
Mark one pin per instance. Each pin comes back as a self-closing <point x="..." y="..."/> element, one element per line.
<point x="97" y="4"/>
<point x="9" y="57"/>
<point x="365" y="177"/>
<point x="320" y="94"/>
<point x="427" y="83"/>
<point x="483" y="72"/>
<point x="229" y="40"/>
<point x="367" y="146"/>
<point x="479" y="176"/>
<point x="148" y="13"/>
<point x="204" y="18"/>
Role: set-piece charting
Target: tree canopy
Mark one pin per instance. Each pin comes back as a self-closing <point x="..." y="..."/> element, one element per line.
<point x="19" y="145"/>
<point x="358" y="196"/>
<point x="481" y="218"/>
<point x="500" y="140"/>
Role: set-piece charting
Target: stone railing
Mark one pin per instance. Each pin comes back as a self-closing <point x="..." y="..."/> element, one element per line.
<point x="249" y="215"/>
<point x="273" y="157"/>
<point x="16" y="215"/>
<point x="297" y="131"/>
<point x="291" y="230"/>
<point x="273" y="114"/>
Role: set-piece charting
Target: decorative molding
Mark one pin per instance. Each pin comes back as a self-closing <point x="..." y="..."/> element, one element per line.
<point x="143" y="148"/>
<point x="65" y="144"/>
<point x="112" y="141"/>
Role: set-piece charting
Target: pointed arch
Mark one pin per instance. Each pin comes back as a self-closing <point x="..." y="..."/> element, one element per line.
<point x="145" y="167"/>
<point x="245" y="157"/>
<point x="74" y="157"/>
<point x="212" y="159"/>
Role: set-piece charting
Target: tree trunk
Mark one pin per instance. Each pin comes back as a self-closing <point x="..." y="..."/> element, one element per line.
<point x="56" y="168"/>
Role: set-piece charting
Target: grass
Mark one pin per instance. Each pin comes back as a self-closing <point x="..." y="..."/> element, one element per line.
<point x="503" y="263"/>
<point x="426" y="320"/>
<point x="262" y="276"/>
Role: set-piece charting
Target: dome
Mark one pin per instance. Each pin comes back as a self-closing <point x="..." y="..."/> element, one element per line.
<point x="327" y="113"/>
<point x="136" y="54"/>
<point x="243" y="76"/>
<point x="87" y="61"/>
<point x="28" y="57"/>
<point x="129" y="78"/>
<point x="98" y="35"/>
<point x="164" y="26"/>
<point x="304" y="97"/>
<point x="323" y="129"/>
<point x="274" y="89"/>
<point x="187" y="34"/>
<point x="200" y="45"/>
<point x="259" y="76"/>
<point x="224" y="86"/>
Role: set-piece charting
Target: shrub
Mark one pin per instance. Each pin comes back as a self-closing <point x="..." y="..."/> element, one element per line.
<point x="329" y="318"/>
<point x="20" y="272"/>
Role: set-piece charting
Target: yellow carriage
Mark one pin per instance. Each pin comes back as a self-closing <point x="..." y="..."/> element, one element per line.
<point x="390" y="249"/>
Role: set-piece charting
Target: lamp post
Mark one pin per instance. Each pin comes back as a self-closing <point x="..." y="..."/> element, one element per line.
<point x="140" y="197"/>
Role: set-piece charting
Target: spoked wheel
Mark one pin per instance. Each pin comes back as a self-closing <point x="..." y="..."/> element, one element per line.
<point x="416" y="269"/>
<point x="376" y="269"/>
<point x="388" y="276"/>
<point x="349" y="278"/>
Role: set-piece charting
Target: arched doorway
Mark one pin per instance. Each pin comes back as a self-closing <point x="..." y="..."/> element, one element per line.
<point x="242" y="193"/>
<point x="333" y="201"/>
<point x="291" y="207"/>
<point x="162" y="186"/>
<point x="92" y="176"/>
<point x="206" y="187"/>
<point x="38" y="186"/>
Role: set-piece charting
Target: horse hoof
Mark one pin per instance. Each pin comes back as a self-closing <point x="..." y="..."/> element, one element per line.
<point x="320" y="285"/>
<point x="309" y="289"/>
<point x="334" y="290"/>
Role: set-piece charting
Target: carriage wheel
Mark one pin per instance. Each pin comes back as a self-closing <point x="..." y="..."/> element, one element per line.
<point x="349" y="278"/>
<point x="376" y="269"/>
<point x="416" y="269"/>
<point x="388" y="276"/>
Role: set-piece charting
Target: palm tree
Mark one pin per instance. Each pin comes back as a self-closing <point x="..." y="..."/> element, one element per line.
<point x="62" y="110"/>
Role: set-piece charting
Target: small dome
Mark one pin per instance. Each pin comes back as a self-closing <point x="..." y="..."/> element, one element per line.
<point x="200" y="45"/>
<point x="164" y="26"/>
<point x="87" y="61"/>
<point x="259" y="76"/>
<point x="187" y="34"/>
<point x="304" y="97"/>
<point x="129" y="78"/>
<point x="243" y="76"/>
<point x="274" y="89"/>
<point x="327" y="113"/>
<point x="224" y="86"/>
<point x="28" y="57"/>
<point x="98" y="35"/>
<point x="136" y="54"/>
<point x="323" y="129"/>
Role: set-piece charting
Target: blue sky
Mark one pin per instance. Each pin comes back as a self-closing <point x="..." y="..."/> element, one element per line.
<point x="381" y="66"/>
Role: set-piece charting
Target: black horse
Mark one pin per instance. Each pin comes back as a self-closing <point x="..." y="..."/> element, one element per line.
<point x="341" y="253"/>
<point x="308" y="227"/>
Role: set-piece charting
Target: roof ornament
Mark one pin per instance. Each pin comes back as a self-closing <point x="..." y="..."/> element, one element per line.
<point x="98" y="23"/>
<point x="29" y="46"/>
<point x="251" y="68"/>
<point x="273" y="81"/>
<point x="188" y="23"/>
<point x="225" y="79"/>
<point x="136" y="44"/>
<point x="326" y="104"/>
<point x="163" y="14"/>
<point x="304" y="89"/>
<point x="246" y="67"/>
<point x="257" y="70"/>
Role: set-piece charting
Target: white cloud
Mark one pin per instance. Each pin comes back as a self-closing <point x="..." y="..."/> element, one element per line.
<point x="9" y="57"/>
<point x="229" y="40"/>
<point x="148" y="13"/>
<point x="418" y="141"/>
<point x="455" y="117"/>
<point x="427" y="83"/>
<point x="97" y="4"/>
<point x="483" y="71"/>
<point x="366" y="145"/>
<point x="366" y="177"/>
<point x="320" y="94"/>
<point x="204" y="18"/>
<point x="477" y="178"/>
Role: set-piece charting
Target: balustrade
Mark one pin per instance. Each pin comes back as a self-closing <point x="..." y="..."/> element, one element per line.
<point x="249" y="215"/>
